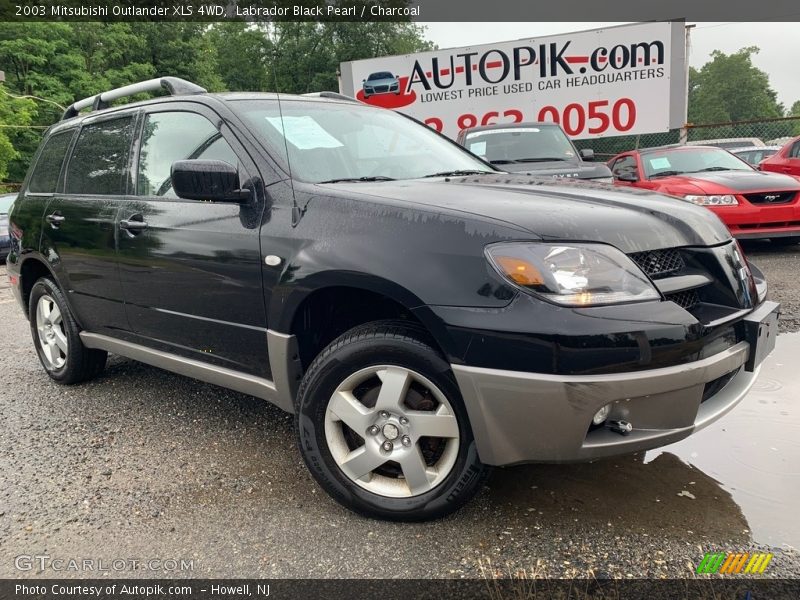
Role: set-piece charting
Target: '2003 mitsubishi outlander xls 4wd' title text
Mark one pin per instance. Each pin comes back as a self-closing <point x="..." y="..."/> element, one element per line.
<point x="423" y="315"/>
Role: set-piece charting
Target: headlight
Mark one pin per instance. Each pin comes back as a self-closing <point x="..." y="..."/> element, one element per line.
<point x="572" y="274"/>
<point x="715" y="200"/>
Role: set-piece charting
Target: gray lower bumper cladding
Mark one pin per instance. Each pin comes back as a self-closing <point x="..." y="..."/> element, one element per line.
<point x="520" y="417"/>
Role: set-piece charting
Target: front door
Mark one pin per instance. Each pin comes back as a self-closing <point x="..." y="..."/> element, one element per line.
<point x="191" y="270"/>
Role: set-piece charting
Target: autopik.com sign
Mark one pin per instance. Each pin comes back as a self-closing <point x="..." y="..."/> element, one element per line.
<point x="614" y="81"/>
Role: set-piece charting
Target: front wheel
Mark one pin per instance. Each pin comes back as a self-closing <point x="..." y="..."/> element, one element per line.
<point x="383" y="429"/>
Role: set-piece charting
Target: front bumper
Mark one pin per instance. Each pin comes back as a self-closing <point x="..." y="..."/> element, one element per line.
<point x="520" y="417"/>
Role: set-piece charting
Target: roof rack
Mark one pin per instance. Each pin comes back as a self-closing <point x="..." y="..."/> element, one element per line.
<point x="332" y="96"/>
<point x="175" y="86"/>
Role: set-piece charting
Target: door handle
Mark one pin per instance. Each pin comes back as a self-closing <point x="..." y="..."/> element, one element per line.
<point x="55" y="219"/>
<point x="133" y="224"/>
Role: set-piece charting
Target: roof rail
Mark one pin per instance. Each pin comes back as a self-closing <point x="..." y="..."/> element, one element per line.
<point x="332" y="96"/>
<point x="175" y="86"/>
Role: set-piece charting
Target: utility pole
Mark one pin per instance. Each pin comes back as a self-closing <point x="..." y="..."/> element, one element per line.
<point x="684" y="133"/>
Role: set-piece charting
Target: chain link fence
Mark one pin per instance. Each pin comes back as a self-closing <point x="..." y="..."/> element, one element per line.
<point x="772" y="132"/>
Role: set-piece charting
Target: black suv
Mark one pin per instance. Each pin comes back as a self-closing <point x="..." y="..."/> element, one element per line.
<point x="423" y="315"/>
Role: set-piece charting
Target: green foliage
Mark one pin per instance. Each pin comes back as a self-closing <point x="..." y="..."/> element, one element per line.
<point x="14" y="113"/>
<point x="63" y="62"/>
<point x="794" y="111"/>
<point x="730" y="88"/>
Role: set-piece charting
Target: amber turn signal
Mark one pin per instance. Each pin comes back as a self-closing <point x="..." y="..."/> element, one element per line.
<point x="519" y="271"/>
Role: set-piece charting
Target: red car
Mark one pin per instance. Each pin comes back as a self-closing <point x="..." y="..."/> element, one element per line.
<point x="753" y="204"/>
<point x="785" y="160"/>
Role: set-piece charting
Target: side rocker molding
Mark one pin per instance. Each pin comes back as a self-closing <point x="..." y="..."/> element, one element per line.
<point x="228" y="378"/>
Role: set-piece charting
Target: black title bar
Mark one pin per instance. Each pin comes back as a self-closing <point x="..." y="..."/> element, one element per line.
<point x="399" y="10"/>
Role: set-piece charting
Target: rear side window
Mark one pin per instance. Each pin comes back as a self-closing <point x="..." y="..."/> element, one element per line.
<point x="45" y="174"/>
<point x="172" y="136"/>
<point x="99" y="163"/>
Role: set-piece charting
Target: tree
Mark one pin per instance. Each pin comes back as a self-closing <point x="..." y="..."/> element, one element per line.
<point x="14" y="113"/>
<point x="794" y="111"/>
<point x="730" y="88"/>
<point x="64" y="62"/>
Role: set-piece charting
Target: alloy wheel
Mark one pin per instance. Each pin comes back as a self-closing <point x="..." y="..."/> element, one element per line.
<point x="51" y="333"/>
<point x="392" y="431"/>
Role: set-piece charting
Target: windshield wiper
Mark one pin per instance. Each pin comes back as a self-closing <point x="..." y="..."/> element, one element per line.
<point x="458" y="173"/>
<point x="502" y="161"/>
<point x="716" y="169"/>
<point x="351" y="179"/>
<point x="542" y="159"/>
<point x="666" y="174"/>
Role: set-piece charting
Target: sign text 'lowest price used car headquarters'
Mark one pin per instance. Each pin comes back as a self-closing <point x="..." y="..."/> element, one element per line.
<point x="614" y="81"/>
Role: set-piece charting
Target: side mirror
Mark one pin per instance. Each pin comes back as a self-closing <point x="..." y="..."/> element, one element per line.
<point x="207" y="180"/>
<point x="587" y="154"/>
<point x="628" y="176"/>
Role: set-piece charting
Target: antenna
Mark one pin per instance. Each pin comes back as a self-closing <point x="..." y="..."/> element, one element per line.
<point x="297" y="213"/>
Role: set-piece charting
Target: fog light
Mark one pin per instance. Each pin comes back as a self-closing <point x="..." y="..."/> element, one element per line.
<point x="601" y="415"/>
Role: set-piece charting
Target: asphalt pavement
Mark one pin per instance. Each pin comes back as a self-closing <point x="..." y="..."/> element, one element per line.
<point x="141" y="464"/>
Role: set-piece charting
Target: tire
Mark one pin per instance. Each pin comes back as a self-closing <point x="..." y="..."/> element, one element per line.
<point x="785" y="241"/>
<point x="364" y="359"/>
<point x="56" y="337"/>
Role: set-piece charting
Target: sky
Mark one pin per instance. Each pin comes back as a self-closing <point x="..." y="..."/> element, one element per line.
<point x="777" y="41"/>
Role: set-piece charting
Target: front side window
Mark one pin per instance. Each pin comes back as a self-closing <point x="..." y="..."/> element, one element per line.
<point x="330" y="141"/>
<point x="678" y="161"/>
<point x="99" y="162"/>
<point x="171" y="136"/>
<point x="48" y="168"/>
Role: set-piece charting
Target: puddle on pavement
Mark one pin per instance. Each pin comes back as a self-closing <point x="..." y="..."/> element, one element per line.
<point x="739" y="477"/>
<point x="754" y="451"/>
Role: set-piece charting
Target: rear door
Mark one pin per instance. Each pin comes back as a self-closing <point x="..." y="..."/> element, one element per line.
<point x="191" y="270"/>
<point x="79" y="234"/>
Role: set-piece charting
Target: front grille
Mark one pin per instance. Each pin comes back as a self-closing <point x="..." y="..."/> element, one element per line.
<point x="773" y="225"/>
<point x="381" y="88"/>
<point x="687" y="299"/>
<point x="770" y="197"/>
<point x="659" y="263"/>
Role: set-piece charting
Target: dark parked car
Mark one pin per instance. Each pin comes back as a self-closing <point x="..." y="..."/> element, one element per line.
<point x="423" y="315"/>
<point x="754" y="205"/>
<point x="541" y="149"/>
<point x="382" y="82"/>
<point x="6" y="200"/>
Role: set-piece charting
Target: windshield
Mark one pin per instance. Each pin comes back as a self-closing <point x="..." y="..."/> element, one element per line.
<point x="522" y="144"/>
<point x="6" y="201"/>
<point x="329" y="141"/>
<point x="382" y="75"/>
<point x="677" y="161"/>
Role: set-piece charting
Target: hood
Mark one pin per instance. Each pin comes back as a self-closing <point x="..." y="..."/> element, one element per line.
<point x="740" y="182"/>
<point x="560" y="169"/>
<point x="559" y="209"/>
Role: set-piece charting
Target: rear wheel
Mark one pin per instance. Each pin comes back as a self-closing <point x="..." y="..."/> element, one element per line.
<point x="56" y="336"/>
<point x="382" y="426"/>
